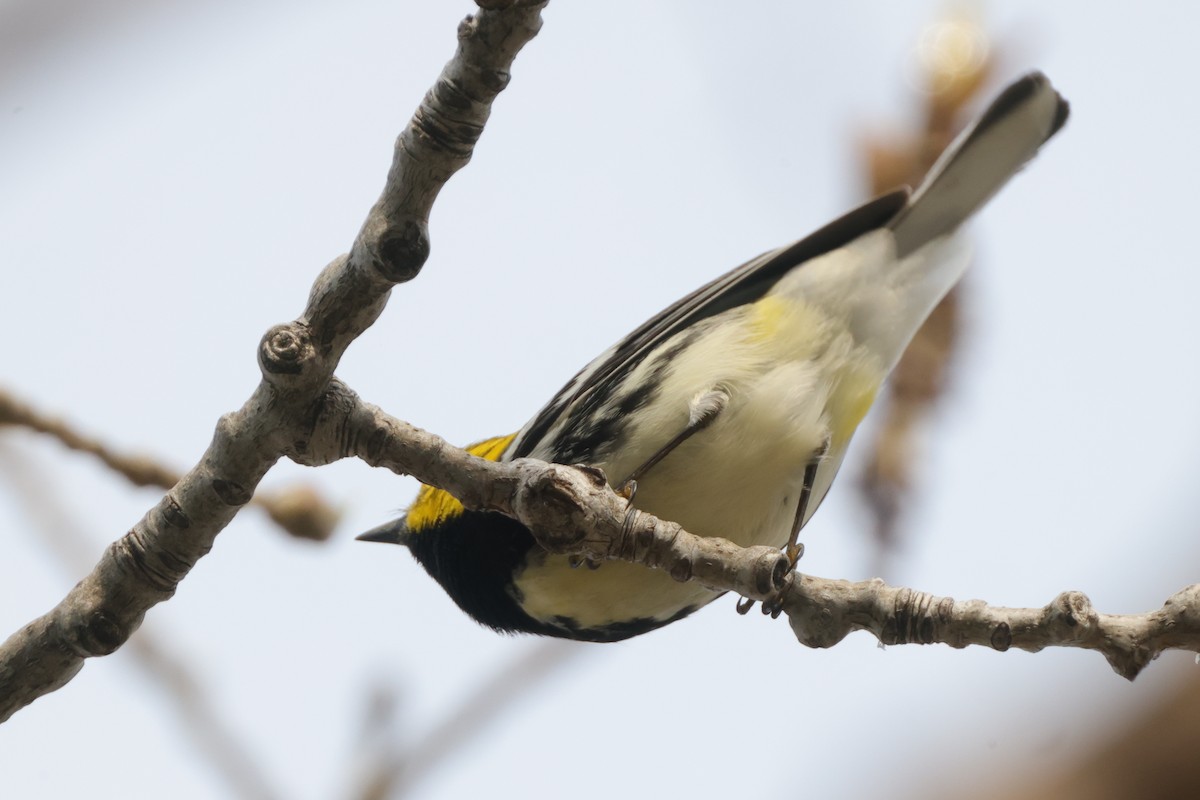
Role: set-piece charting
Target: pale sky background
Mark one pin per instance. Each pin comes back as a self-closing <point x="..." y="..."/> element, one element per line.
<point x="174" y="175"/>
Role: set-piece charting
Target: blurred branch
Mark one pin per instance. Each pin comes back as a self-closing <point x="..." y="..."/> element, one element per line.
<point x="1151" y="757"/>
<point x="297" y="361"/>
<point x="955" y="63"/>
<point x="209" y="733"/>
<point x="299" y="510"/>
<point x="212" y="737"/>
<point x="395" y="772"/>
<point x="31" y="28"/>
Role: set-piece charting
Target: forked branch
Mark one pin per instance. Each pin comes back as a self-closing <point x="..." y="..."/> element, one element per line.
<point x="298" y="360"/>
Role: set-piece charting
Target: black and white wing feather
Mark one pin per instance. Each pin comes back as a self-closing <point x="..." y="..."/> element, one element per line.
<point x="744" y="284"/>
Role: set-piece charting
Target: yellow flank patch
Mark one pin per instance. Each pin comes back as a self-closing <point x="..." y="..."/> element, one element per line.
<point x="434" y="505"/>
<point x="791" y="328"/>
<point x="850" y="401"/>
<point x="769" y="316"/>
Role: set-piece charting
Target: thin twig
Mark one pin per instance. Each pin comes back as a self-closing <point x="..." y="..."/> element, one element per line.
<point x="298" y="510"/>
<point x="395" y="773"/>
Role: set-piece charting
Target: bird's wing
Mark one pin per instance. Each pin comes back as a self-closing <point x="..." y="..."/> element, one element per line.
<point x="744" y="284"/>
<point x="971" y="170"/>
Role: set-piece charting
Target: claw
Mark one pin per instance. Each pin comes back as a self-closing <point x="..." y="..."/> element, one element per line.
<point x="773" y="605"/>
<point x="628" y="490"/>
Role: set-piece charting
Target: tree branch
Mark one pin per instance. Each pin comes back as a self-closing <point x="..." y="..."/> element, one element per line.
<point x="297" y="360"/>
<point x="213" y="736"/>
<point x="572" y="510"/>
<point x="299" y="510"/>
<point x="823" y="611"/>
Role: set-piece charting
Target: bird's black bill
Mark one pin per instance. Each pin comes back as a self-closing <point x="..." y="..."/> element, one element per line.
<point x="393" y="532"/>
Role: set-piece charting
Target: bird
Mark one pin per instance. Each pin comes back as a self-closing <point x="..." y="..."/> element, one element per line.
<point x="730" y="411"/>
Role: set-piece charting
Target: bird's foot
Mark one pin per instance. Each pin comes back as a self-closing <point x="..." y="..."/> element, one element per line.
<point x="773" y="605"/>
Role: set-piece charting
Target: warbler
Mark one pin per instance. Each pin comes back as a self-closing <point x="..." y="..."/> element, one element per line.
<point x="733" y="408"/>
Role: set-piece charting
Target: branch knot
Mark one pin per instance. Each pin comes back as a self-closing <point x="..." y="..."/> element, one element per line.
<point x="401" y="247"/>
<point x="551" y="504"/>
<point x="285" y="350"/>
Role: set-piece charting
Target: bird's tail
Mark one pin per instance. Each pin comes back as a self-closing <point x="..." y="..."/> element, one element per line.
<point x="980" y="161"/>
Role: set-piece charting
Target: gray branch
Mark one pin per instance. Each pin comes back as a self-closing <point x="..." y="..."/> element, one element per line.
<point x="298" y="359"/>
<point x="298" y="510"/>
<point x="572" y="510"/>
<point x="214" y="737"/>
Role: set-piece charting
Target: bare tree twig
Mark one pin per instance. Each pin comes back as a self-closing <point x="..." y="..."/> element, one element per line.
<point x="572" y="510"/>
<point x="823" y="611"/>
<point x="212" y="736"/>
<point x="299" y="510"/>
<point x="395" y="773"/>
<point x="498" y="693"/>
<point x="297" y="360"/>
<point x="230" y="758"/>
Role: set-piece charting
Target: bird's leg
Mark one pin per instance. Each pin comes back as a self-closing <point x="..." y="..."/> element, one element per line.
<point x="702" y="412"/>
<point x="704" y="408"/>
<point x="794" y="549"/>
<point x="773" y="605"/>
